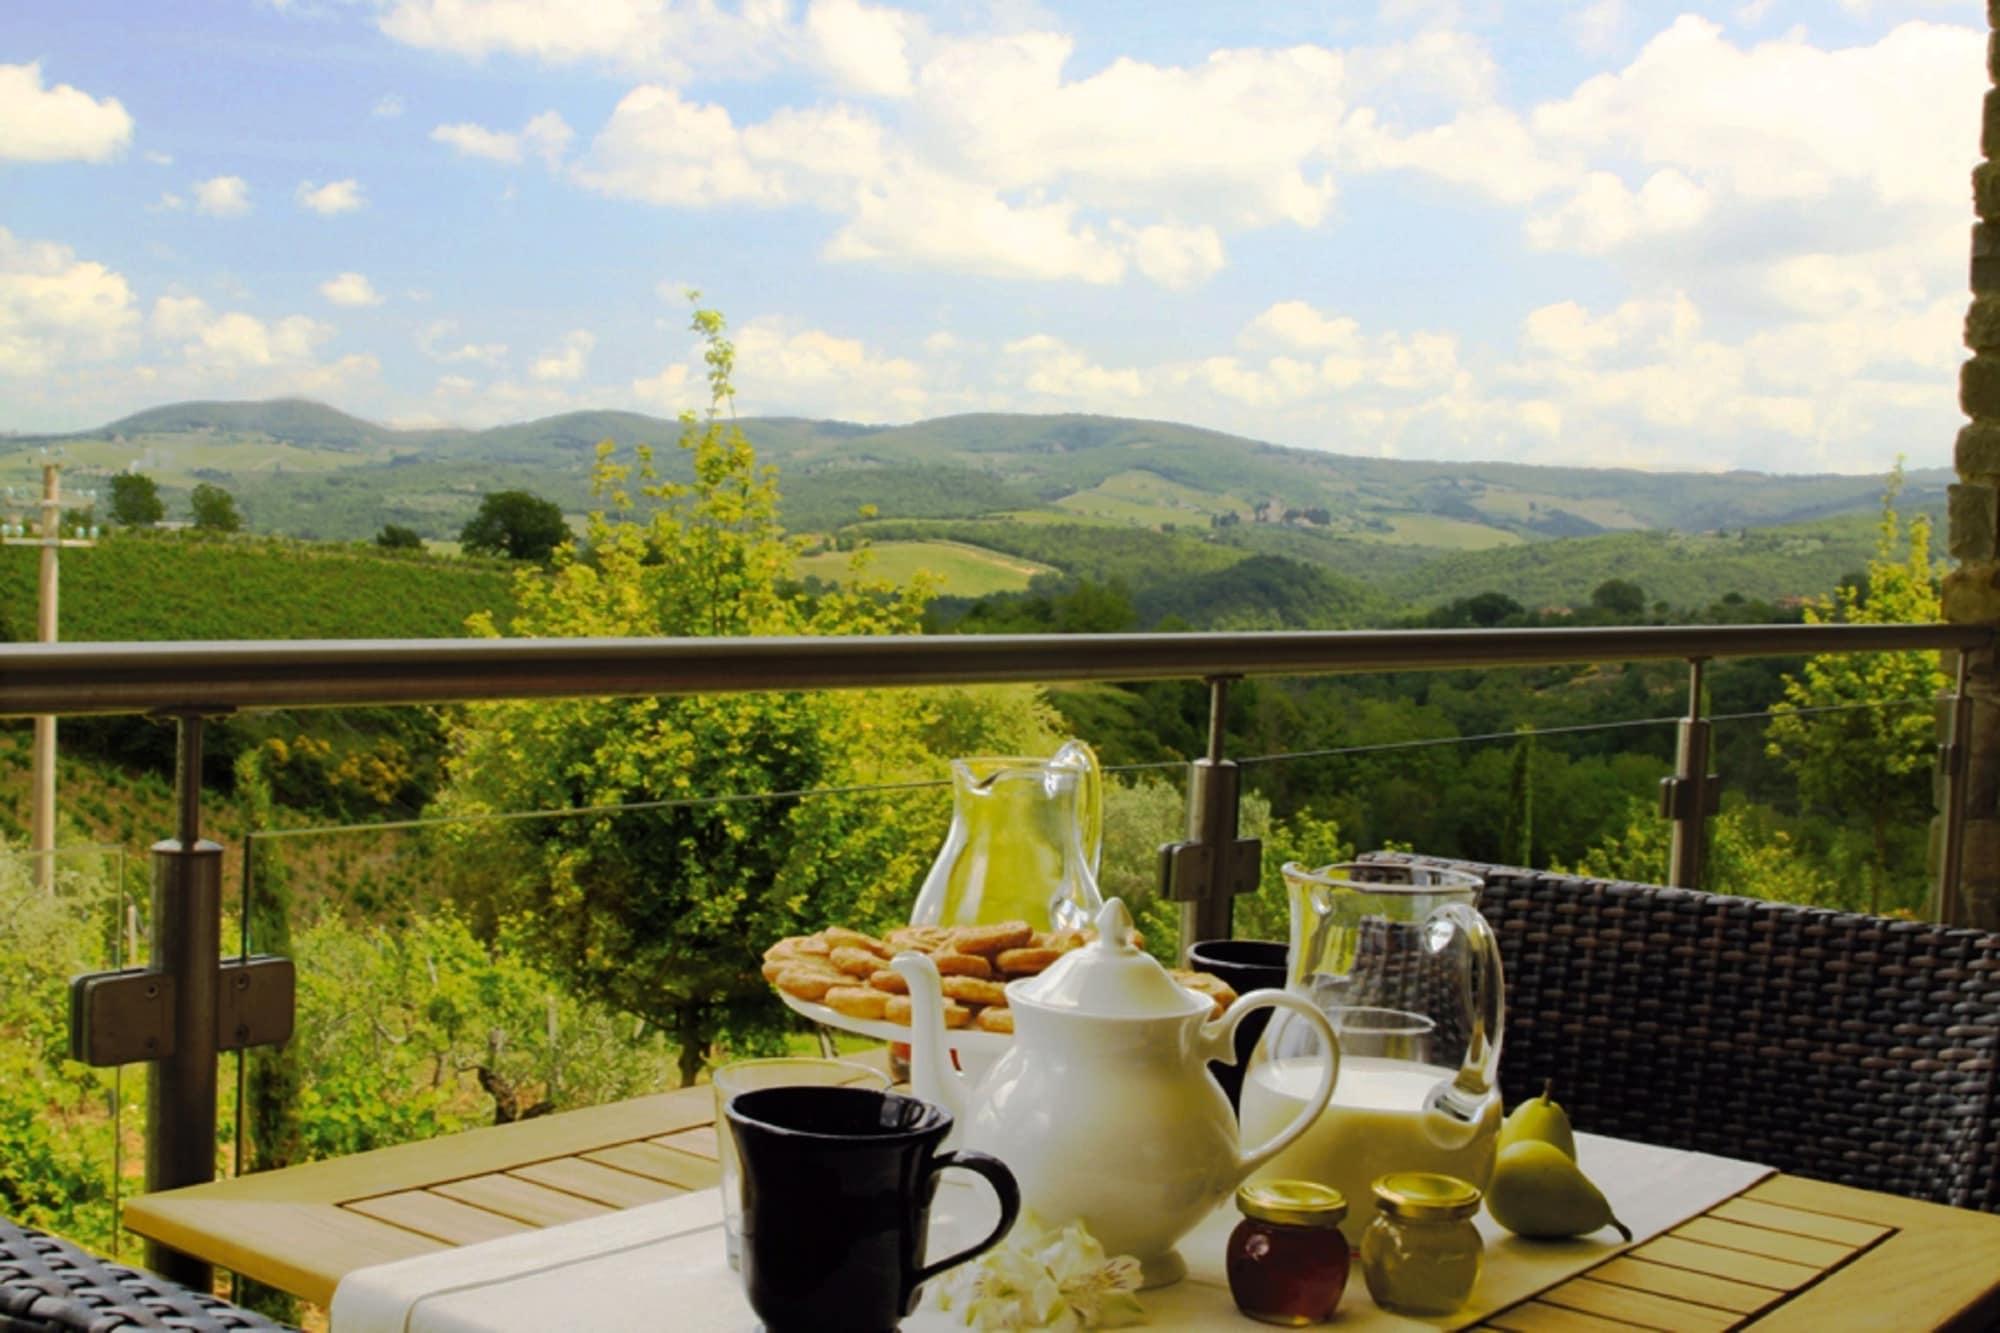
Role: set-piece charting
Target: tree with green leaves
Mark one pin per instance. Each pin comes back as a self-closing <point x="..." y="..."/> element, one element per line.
<point x="689" y="834"/>
<point x="135" y="500"/>
<point x="517" y="525"/>
<point x="1750" y="854"/>
<point x="396" y="537"/>
<point x="1856" y="729"/>
<point x="214" y="509"/>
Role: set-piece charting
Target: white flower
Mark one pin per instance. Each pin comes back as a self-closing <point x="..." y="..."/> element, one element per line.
<point x="1037" y="1278"/>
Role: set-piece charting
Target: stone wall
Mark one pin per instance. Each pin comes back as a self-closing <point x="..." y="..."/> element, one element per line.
<point x="1972" y="588"/>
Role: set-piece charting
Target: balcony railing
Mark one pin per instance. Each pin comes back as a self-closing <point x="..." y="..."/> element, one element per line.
<point x="191" y="682"/>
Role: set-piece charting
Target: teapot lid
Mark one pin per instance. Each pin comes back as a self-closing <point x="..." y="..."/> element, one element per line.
<point x="1110" y="977"/>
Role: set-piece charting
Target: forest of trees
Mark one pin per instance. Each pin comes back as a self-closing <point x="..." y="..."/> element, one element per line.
<point x="467" y="965"/>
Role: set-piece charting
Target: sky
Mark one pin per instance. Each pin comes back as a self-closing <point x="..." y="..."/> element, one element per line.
<point x="1608" y="233"/>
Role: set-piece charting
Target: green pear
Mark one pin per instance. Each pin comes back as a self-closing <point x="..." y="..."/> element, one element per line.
<point x="1539" y="1119"/>
<point x="1540" y="1193"/>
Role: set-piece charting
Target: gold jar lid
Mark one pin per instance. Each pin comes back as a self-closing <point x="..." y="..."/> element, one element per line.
<point x="1423" y="1196"/>
<point x="1292" y="1203"/>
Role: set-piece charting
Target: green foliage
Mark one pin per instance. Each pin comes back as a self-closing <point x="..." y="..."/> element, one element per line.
<point x="1620" y="597"/>
<point x="517" y="525"/>
<point x="1869" y="760"/>
<point x="1749" y="853"/>
<point x="663" y="910"/>
<point x="214" y="509"/>
<point x="56" y="1130"/>
<point x="396" y="537"/>
<point x="409" y="1033"/>
<point x="135" y="501"/>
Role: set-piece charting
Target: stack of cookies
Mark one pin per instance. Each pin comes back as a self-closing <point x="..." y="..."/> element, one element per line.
<point x="848" y="971"/>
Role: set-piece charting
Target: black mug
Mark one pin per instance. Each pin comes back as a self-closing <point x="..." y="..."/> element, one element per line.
<point x="1246" y="965"/>
<point x="837" y="1187"/>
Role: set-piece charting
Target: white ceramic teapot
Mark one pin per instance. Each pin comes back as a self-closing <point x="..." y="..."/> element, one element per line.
<point x="1104" y="1108"/>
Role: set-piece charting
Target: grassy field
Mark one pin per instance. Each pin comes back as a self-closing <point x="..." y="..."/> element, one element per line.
<point x="131" y="587"/>
<point x="1449" y="534"/>
<point x="964" y="571"/>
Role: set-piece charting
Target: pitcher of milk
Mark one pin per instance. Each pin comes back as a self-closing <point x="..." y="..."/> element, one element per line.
<point x="1407" y="971"/>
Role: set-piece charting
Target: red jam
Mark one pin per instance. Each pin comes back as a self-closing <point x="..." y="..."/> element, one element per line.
<point x="1287" y="1260"/>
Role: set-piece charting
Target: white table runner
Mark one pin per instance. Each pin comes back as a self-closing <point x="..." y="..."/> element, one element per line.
<point x="661" y="1265"/>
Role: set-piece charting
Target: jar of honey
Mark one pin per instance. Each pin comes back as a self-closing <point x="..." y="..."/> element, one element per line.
<point x="1287" y="1260"/>
<point x="1421" y="1254"/>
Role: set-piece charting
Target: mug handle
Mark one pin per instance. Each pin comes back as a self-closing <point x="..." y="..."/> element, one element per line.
<point x="1221" y="1033"/>
<point x="1002" y="1180"/>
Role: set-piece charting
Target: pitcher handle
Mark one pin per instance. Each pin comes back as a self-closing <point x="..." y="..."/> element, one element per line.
<point x="1002" y="1180"/>
<point x="1220" y="1037"/>
<point x="1077" y="754"/>
<point x="1483" y="989"/>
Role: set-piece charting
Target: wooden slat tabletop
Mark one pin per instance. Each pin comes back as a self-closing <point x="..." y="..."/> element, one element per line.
<point x="1786" y="1254"/>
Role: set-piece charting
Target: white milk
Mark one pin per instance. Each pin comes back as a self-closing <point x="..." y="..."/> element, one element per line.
<point x="1374" y="1125"/>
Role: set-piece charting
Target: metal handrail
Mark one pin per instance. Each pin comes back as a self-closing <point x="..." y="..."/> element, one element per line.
<point x="193" y="677"/>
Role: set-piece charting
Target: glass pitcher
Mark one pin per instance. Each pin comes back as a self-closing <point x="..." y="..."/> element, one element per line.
<point x="1401" y="962"/>
<point x="1024" y="843"/>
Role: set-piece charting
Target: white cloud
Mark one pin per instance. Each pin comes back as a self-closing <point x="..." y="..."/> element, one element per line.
<point x="865" y="47"/>
<point x="1597" y="26"/>
<point x="233" y="351"/>
<point x="341" y="196"/>
<point x="350" y="289"/>
<point x="784" y="366"/>
<point x="168" y="202"/>
<point x="666" y="392"/>
<point x="59" y="124"/>
<point x="1603" y="215"/>
<point x="664" y="150"/>
<point x="547" y="136"/>
<point x="567" y="362"/>
<point x="649" y="36"/>
<point x="388" y="107"/>
<point x="222" y="196"/>
<point x="1173" y="256"/>
<point x="432" y="340"/>
<point x="57" y="310"/>
<point x="159" y="159"/>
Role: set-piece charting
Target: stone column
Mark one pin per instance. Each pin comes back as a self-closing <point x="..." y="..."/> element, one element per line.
<point x="1972" y="587"/>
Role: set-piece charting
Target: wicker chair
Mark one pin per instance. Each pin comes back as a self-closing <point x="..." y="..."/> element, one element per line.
<point x="50" y="1286"/>
<point x="1846" y="1048"/>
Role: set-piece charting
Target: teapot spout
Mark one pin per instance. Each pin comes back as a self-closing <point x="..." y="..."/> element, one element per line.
<point x="932" y="1076"/>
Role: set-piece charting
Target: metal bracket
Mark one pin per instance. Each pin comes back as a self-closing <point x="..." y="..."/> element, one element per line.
<point x="1186" y="866"/>
<point x="126" y="1017"/>
<point x="1679" y="795"/>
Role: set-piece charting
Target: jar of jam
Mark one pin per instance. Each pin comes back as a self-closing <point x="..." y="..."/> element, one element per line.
<point x="1287" y="1260"/>
<point x="1421" y="1254"/>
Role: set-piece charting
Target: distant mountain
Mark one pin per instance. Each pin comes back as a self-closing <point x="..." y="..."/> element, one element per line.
<point x="307" y="469"/>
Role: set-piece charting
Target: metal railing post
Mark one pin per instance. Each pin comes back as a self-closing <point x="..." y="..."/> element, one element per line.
<point x="1205" y="872"/>
<point x="187" y="944"/>
<point x="1693" y="793"/>
<point x="1954" y="759"/>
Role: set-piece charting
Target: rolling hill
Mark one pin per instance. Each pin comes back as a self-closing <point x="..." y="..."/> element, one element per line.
<point x="1088" y="496"/>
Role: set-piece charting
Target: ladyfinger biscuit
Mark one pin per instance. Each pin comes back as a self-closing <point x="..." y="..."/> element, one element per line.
<point x="994" y="1018"/>
<point x="857" y="1001"/>
<point x="842" y="937"/>
<point x="974" y="990"/>
<point x="991" y="939"/>
<point x="889" y="982"/>
<point x="807" y="985"/>
<point x="896" y="1008"/>
<point x="855" y="962"/>
<point x="951" y="963"/>
<point x="923" y="939"/>
<point x="1024" y="962"/>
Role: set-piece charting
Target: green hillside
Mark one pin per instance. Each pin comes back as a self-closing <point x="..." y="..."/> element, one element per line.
<point x="139" y="587"/>
<point x="299" y="467"/>
<point x="959" y="571"/>
<point x="1678" y="568"/>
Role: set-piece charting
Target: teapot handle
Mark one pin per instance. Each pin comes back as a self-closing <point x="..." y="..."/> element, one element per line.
<point x="1221" y="1035"/>
<point x="1483" y="990"/>
<point x="1090" y="799"/>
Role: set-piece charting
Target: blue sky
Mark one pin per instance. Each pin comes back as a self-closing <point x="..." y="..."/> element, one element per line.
<point x="1613" y="232"/>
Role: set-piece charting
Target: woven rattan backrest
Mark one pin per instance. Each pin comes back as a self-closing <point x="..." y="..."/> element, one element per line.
<point x="1843" y="1047"/>
<point x="48" y="1285"/>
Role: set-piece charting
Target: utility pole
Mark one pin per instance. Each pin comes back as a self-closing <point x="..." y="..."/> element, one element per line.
<point x="42" y="838"/>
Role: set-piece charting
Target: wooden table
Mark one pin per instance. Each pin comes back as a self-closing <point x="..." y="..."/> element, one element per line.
<point x="1788" y="1253"/>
